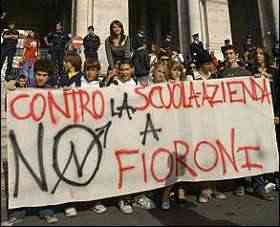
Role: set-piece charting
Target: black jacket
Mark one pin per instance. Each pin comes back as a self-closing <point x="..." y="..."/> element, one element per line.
<point x="197" y="50"/>
<point x="141" y="62"/>
<point x="58" y="40"/>
<point x="73" y="82"/>
<point x="9" y="42"/>
<point x="91" y="44"/>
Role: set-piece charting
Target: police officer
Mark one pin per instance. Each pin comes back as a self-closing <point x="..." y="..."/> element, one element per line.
<point x="91" y="44"/>
<point x="141" y="59"/>
<point x="249" y="49"/>
<point x="226" y="44"/>
<point x="57" y="42"/>
<point x="197" y="49"/>
<point x="9" y="48"/>
<point x="170" y="49"/>
<point x="248" y="45"/>
<point x="168" y="43"/>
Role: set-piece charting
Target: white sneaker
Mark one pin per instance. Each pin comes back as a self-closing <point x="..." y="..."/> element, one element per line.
<point x="144" y="202"/>
<point x="99" y="208"/>
<point x="125" y="207"/>
<point x="181" y="194"/>
<point x="205" y="196"/>
<point x="270" y="187"/>
<point x="70" y="212"/>
<point x="51" y="219"/>
<point x="219" y="195"/>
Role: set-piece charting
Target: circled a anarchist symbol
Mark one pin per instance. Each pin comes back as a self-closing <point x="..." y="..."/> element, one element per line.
<point x="61" y="170"/>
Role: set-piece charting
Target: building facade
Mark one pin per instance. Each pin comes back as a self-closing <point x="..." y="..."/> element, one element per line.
<point x="214" y="20"/>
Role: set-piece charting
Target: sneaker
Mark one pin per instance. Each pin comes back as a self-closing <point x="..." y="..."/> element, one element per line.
<point x="51" y="219"/>
<point x="205" y="196"/>
<point x="181" y="194"/>
<point x="144" y="202"/>
<point x="270" y="187"/>
<point x="99" y="208"/>
<point x="240" y="191"/>
<point x="70" y="212"/>
<point x="125" y="207"/>
<point x="12" y="221"/>
<point x="165" y="205"/>
<point x="219" y="195"/>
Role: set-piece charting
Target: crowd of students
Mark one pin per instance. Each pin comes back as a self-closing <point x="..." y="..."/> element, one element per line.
<point x="143" y="68"/>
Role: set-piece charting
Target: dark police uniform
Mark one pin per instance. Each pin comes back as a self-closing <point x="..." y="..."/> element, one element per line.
<point x="197" y="50"/>
<point x="91" y="44"/>
<point x="58" y="41"/>
<point x="140" y="59"/>
<point x="8" y="49"/>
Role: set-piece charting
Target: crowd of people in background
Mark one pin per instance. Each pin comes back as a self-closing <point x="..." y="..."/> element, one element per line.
<point x="139" y="62"/>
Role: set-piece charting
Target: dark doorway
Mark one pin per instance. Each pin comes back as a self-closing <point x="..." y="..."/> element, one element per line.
<point x="38" y="15"/>
<point x="245" y="19"/>
<point x="155" y="17"/>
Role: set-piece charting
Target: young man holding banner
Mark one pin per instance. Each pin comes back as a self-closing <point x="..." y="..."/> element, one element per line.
<point x="90" y="79"/>
<point x="44" y="70"/>
<point x="126" y="203"/>
<point x="261" y="69"/>
<point x="231" y="70"/>
<point x="209" y="189"/>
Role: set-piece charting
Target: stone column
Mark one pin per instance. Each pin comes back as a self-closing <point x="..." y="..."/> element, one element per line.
<point x="218" y="24"/>
<point x="194" y="17"/>
<point x="73" y="16"/>
<point x="204" y="24"/>
<point x="180" y="27"/>
<point x="262" y="23"/>
<point x="275" y="6"/>
<point x="105" y="11"/>
<point x="82" y="12"/>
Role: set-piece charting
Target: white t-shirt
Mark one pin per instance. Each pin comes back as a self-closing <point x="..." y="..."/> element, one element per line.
<point x="129" y="83"/>
<point x="87" y="84"/>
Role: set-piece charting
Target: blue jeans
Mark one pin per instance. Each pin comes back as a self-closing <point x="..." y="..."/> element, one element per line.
<point x="41" y="211"/>
<point x="28" y="70"/>
<point x="259" y="184"/>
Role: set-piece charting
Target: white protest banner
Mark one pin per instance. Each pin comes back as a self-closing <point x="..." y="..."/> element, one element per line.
<point x="83" y="145"/>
